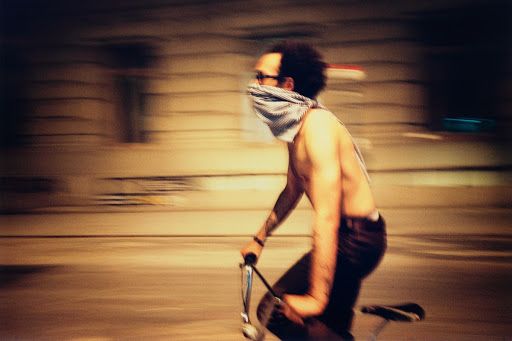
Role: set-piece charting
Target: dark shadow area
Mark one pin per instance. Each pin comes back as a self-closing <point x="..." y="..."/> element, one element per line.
<point x="13" y="106"/>
<point x="466" y="63"/>
<point x="129" y="64"/>
<point x="12" y="274"/>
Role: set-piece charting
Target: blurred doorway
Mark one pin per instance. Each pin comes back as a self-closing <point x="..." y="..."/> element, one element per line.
<point x="465" y="64"/>
<point x="128" y="64"/>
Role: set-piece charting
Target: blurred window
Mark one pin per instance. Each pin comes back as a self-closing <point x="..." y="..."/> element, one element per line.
<point x="13" y="97"/>
<point x="129" y="65"/>
<point x="465" y="65"/>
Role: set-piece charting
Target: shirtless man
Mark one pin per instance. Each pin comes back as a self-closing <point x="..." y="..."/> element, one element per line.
<point x="349" y="236"/>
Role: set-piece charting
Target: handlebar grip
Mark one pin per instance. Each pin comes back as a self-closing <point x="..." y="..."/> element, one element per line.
<point x="250" y="259"/>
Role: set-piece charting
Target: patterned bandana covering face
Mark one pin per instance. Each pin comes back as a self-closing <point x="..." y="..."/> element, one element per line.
<point x="280" y="109"/>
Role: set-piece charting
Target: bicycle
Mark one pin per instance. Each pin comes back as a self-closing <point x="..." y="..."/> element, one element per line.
<point x="405" y="312"/>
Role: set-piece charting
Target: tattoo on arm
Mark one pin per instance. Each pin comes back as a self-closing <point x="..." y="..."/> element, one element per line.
<point x="270" y="224"/>
<point x="285" y="203"/>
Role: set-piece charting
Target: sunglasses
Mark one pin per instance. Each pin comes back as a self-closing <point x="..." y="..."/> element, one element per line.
<point x="260" y="76"/>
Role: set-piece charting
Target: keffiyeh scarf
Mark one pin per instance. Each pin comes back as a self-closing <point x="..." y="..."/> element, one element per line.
<point x="282" y="111"/>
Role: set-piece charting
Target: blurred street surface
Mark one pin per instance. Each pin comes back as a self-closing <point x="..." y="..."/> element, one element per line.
<point x="175" y="275"/>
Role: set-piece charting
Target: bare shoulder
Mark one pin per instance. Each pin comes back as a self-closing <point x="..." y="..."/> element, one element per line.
<point x="320" y="134"/>
<point x="320" y="120"/>
<point x="319" y="115"/>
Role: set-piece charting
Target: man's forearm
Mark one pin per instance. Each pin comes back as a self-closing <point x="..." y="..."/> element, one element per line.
<point x="323" y="266"/>
<point x="285" y="203"/>
<point x="323" y="261"/>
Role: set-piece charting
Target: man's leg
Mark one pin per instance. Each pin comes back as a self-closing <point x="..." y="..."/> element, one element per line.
<point x="339" y="313"/>
<point x="334" y="324"/>
<point x="360" y="250"/>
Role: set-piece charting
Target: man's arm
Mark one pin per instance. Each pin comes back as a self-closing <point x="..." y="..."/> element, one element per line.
<point x="322" y="147"/>
<point x="285" y="203"/>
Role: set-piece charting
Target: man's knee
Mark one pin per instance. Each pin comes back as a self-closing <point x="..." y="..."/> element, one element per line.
<point x="276" y="322"/>
<point x="265" y="308"/>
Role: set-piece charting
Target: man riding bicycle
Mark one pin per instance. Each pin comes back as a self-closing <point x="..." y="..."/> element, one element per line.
<point x="349" y="237"/>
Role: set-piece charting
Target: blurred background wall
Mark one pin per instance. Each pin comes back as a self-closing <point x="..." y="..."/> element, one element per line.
<point x="123" y="105"/>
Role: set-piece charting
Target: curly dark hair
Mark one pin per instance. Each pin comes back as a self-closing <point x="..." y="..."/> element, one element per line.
<point x="304" y="64"/>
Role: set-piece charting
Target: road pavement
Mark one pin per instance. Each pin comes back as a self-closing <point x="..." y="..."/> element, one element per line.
<point x="125" y="284"/>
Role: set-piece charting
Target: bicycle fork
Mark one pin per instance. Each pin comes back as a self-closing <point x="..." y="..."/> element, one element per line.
<point x="248" y="269"/>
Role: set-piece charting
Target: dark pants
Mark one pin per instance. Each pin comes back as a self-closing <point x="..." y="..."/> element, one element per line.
<point x="361" y="246"/>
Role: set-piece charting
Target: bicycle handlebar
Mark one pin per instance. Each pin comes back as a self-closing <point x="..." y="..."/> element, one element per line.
<point x="250" y="259"/>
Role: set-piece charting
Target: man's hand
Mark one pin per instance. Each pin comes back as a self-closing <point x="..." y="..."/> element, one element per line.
<point x="252" y="247"/>
<point x="298" y="307"/>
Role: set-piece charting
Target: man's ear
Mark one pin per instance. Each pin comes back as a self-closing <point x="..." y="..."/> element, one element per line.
<point x="288" y="83"/>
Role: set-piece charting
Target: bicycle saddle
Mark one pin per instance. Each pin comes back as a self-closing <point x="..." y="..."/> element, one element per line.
<point x="407" y="312"/>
